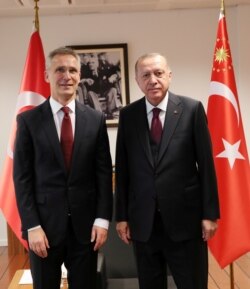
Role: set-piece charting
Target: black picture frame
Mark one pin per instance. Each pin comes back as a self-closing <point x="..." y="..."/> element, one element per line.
<point x="104" y="78"/>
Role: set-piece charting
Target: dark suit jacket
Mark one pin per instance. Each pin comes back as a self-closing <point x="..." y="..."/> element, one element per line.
<point x="45" y="192"/>
<point x="182" y="184"/>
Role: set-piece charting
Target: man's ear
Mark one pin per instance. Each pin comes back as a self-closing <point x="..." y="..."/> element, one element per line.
<point x="136" y="79"/>
<point x="46" y="76"/>
<point x="170" y="76"/>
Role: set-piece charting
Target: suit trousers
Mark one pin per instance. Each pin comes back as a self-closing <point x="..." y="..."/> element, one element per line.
<point x="80" y="261"/>
<point x="187" y="260"/>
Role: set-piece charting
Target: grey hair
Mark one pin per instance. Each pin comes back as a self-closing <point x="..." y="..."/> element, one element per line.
<point x="149" y="55"/>
<point x="62" y="51"/>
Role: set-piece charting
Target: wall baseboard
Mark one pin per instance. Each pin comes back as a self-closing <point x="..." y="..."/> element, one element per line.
<point x="3" y="242"/>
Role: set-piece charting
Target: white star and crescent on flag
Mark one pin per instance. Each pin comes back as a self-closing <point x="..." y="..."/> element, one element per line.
<point x="232" y="238"/>
<point x="231" y="152"/>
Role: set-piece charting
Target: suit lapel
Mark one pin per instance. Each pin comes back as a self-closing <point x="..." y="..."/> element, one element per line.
<point x="143" y="130"/>
<point x="50" y="131"/>
<point x="81" y="122"/>
<point x="174" y="111"/>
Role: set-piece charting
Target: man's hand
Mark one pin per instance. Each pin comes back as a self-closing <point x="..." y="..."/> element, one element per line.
<point x="89" y="81"/>
<point x="112" y="78"/>
<point x="208" y="229"/>
<point x="99" y="235"/>
<point x="38" y="242"/>
<point x="123" y="231"/>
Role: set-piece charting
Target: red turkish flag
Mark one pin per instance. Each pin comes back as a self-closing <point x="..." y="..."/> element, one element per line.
<point x="230" y="155"/>
<point x="34" y="90"/>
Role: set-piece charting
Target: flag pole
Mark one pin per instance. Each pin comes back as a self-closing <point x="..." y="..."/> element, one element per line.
<point x="36" y="21"/>
<point x="231" y="266"/>
<point x="231" y="276"/>
<point x="222" y="7"/>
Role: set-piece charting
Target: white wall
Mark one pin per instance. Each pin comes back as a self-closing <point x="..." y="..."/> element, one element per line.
<point x="186" y="37"/>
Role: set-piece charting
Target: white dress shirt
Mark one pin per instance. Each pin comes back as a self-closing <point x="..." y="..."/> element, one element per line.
<point x="162" y="106"/>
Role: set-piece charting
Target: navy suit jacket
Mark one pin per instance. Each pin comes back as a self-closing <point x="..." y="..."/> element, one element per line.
<point x="45" y="192"/>
<point x="182" y="183"/>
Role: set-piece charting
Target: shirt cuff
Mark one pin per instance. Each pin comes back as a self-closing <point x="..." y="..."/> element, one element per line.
<point x="33" y="228"/>
<point x="101" y="223"/>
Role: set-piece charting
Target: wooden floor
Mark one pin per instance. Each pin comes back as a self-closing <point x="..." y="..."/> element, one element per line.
<point x="218" y="278"/>
<point x="8" y="266"/>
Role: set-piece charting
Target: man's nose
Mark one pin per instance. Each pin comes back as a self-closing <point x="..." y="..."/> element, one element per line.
<point x="152" y="78"/>
<point x="66" y="74"/>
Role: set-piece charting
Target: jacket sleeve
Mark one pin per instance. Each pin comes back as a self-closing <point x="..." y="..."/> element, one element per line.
<point x="23" y="175"/>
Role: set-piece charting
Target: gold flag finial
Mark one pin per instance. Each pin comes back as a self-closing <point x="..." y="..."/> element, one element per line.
<point x="36" y="21"/>
<point x="222" y="8"/>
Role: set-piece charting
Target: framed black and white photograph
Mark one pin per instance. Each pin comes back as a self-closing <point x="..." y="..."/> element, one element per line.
<point x="104" y="78"/>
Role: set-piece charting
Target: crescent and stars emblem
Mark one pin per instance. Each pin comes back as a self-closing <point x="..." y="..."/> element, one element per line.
<point x="231" y="150"/>
<point x="221" y="54"/>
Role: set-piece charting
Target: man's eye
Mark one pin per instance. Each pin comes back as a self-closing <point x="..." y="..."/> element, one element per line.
<point x="159" y="73"/>
<point x="145" y="76"/>
<point x="60" y="69"/>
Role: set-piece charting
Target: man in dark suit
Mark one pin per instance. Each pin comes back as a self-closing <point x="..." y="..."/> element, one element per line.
<point x="166" y="190"/>
<point x="65" y="202"/>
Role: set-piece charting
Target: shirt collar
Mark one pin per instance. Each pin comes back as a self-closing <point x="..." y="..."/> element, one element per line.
<point x="56" y="106"/>
<point x="162" y="105"/>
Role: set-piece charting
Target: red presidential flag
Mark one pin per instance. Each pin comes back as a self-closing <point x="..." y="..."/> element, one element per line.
<point x="230" y="155"/>
<point x="34" y="90"/>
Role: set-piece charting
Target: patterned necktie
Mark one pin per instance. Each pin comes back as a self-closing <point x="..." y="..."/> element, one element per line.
<point x="156" y="126"/>
<point x="66" y="137"/>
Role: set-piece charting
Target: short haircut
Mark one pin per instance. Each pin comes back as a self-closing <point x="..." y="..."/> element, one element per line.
<point x="149" y="55"/>
<point x="62" y="51"/>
